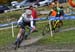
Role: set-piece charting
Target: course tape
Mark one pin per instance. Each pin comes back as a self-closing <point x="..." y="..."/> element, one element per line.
<point x="70" y="13"/>
<point x="44" y="18"/>
<point x="7" y="24"/>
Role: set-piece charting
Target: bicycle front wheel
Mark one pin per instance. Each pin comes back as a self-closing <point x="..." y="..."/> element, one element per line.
<point x="45" y="30"/>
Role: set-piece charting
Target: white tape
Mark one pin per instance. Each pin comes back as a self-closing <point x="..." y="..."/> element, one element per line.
<point x="16" y="26"/>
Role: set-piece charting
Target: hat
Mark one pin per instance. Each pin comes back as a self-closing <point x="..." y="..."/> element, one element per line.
<point x="28" y="11"/>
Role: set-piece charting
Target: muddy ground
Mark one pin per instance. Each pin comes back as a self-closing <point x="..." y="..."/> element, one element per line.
<point x="42" y="48"/>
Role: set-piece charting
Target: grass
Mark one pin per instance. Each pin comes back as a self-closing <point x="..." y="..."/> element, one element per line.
<point x="6" y="35"/>
<point x="59" y="38"/>
<point x="63" y="37"/>
<point x="10" y="16"/>
<point x="68" y="23"/>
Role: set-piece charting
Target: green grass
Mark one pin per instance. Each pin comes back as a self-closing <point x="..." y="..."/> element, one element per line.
<point x="59" y="38"/>
<point x="10" y="16"/>
<point x="68" y="23"/>
<point x="63" y="37"/>
<point x="6" y="36"/>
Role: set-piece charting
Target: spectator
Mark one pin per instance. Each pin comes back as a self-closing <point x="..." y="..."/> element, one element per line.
<point x="34" y="14"/>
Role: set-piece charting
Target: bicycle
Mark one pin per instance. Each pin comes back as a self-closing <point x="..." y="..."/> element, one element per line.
<point x="55" y="25"/>
<point x="24" y="36"/>
<point x="45" y="29"/>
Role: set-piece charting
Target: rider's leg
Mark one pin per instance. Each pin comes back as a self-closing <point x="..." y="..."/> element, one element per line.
<point x="32" y="26"/>
<point x="21" y="32"/>
<point x="59" y="24"/>
<point x="54" y="26"/>
<point x="27" y="33"/>
<point x="33" y="29"/>
<point x="56" y="23"/>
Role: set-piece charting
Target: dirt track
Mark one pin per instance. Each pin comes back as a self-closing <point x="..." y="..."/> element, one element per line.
<point x="44" y="48"/>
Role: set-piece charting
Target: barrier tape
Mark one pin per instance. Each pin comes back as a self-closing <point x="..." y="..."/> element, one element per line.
<point x="44" y="18"/>
<point x="7" y="24"/>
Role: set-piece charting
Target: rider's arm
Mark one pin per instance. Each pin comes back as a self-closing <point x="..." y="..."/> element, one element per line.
<point x="31" y="22"/>
<point x="20" y="19"/>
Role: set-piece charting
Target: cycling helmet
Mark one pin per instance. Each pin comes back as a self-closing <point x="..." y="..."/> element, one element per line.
<point x="28" y="11"/>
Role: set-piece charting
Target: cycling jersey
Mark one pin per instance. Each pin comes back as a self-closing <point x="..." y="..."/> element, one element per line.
<point x="60" y="12"/>
<point x="24" y="20"/>
<point x="53" y="13"/>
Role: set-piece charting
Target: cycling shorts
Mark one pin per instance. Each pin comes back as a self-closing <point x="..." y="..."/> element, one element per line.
<point x="23" y="24"/>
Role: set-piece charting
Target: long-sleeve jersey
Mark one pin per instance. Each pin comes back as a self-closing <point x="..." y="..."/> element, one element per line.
<point x="25" y="18"/>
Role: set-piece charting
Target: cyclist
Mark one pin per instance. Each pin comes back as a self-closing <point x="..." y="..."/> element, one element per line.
<point x="60" y="13"/>
<point x="53" y="13"/>
<point x="25" y="19"/>
<point x="56" y="12"/>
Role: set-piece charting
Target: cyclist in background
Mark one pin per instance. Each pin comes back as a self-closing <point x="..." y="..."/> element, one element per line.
<point x="60" y="13"/>
<point x="53" y="13"/>
<point x="56" y="11"/>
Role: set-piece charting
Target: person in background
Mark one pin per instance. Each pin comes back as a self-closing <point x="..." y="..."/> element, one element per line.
<point x="34" y="14"/>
